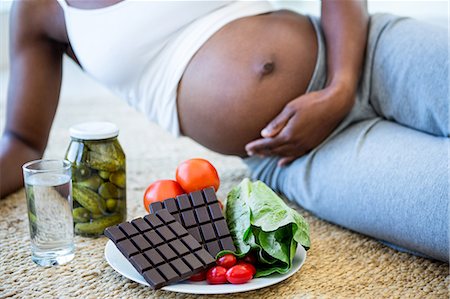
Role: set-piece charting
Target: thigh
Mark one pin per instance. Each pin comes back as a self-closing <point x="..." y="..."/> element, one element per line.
<point x="409" y="80"/>
<point x="377" y="178"/>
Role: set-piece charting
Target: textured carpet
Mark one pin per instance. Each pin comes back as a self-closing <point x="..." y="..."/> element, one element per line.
<point x="340" y="264"/>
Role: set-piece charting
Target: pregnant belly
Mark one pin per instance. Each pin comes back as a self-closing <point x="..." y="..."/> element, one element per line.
<point x="243" y="76"/>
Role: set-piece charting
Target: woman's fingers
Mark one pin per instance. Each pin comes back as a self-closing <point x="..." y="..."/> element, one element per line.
<point x="288" y="152"/>
<point x="273" y="134"/>
<point x="263" y="146"/>
<point x="278" y="123"/>
<point x="278" y="146"/>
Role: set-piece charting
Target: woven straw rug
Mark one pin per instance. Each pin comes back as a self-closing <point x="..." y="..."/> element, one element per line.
<point x="340" y="264"/>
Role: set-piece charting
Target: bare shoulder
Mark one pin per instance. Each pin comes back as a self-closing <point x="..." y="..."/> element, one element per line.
<point x="33" y="20"/>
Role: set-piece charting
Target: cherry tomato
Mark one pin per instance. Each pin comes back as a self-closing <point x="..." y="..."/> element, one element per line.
<point x="216" y="275"/>
<point x="250" y="258"/>
<point x="226" y="261"/>
<point x="198" y="277"/>
<point x="197" y="174"/>
<point x="239" y="274"/>
<point x="161" y="190"/>
<point x="220" y="204"/>
<point x="249" y="266"/>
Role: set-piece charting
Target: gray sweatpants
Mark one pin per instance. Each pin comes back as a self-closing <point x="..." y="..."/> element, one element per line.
<point x="384" y="171"/>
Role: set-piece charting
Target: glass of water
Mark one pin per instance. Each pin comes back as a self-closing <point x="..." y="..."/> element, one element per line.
<point x="48" y="188"/>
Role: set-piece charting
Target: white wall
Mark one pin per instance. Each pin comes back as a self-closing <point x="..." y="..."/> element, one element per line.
<point x="5" y="5"/>
<point x="433" y="11"/>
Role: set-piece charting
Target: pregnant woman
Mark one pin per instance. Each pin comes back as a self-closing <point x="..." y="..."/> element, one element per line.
<point x="346" y="115"/>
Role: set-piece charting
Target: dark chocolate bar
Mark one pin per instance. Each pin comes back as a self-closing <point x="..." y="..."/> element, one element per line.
<point x="160" y="248"/>
<point x="199" y="212"/>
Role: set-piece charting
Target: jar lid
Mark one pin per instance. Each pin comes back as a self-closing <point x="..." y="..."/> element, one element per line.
<point x="94" y="130"/>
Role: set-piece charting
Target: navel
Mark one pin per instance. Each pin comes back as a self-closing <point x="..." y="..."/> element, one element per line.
<point x="265" y="69"/>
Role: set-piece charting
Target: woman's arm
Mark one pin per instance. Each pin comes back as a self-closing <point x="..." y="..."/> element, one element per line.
<point x="309" y="119"/>
<point x="33" y="91"/>
<point x="345" y="24"/>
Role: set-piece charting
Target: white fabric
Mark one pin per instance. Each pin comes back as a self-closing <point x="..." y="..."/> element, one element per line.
<point x="140" y="49"/>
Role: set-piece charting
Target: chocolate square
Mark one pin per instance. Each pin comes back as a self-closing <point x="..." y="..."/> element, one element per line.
<point x="115" y="234"/>
<point x="127" y="248"/>
<point x="153" y="220"/>
<point x="141" y="243"/>
<point x="140" y="263"/>
<point x="142" y="225"/>
<point x="128" y="229"/>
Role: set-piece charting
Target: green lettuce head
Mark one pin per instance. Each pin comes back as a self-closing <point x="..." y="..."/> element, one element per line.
<point x="260" y="220"/>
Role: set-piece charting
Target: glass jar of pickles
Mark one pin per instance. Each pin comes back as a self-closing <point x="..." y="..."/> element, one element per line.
<point x="98" y="177"/>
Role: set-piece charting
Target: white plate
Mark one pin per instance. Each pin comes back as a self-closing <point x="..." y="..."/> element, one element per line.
<point x="119" y="263"/>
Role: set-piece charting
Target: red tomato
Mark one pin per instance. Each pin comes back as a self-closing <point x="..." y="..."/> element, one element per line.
<point x="250" y="266"/>
<point x="161" y="190"/>
<point x="198" y="277"/>
<point x="220" y="204"/>
<point x="216" y="275"/>
<point x="239" y="274"/>
<point x="197" y="174"/>
<point x="226" y="261"/>
<point x="250" y="258"/>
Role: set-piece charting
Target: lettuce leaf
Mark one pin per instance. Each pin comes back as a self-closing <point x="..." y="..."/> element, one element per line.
<point x="259" y="220"/>
<point x="238" y="220"/>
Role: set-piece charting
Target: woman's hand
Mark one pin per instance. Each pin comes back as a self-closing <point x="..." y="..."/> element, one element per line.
<point x="304" y="123"/>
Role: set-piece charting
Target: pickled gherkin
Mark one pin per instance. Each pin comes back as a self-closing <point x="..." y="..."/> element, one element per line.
<point x="93" y="182"/>
<point x="98" y="216"/>
<point x="97" y="226"/>
<point x="100" y="162"/>
<point x="109" y="190"/>
<point x="89" y="199"/>
<point x="111" y="204"/>
<point x="105" y="156"/>
<point x="30" y="196"/>
<point x="76" y="153"/>
<point x="104" y="174"/>
<point x="108" y="149"/>
<point x="32" y="218"/>
<point x="80" y="172"/>
<point x="118" y="178"/>
<point x="81" y="215"/>
<point x="99" y="177"/>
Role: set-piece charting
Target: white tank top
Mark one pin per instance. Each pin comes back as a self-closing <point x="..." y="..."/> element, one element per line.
<point x="140" y="49"/>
